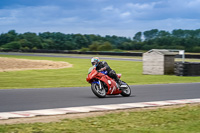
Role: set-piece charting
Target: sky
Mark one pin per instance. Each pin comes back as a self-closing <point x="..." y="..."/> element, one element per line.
<point x="102" y="17"/>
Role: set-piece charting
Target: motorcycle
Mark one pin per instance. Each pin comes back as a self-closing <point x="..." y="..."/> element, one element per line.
<point x="102" y="84"/>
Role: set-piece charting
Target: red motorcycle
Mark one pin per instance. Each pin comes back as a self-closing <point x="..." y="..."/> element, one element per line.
<point x="102" y="84"/>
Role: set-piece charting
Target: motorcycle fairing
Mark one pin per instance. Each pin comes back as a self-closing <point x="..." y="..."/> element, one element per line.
<point x="111" y="84"/>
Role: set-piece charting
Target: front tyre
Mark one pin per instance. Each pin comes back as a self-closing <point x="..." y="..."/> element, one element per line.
<point x="99" y="92"/>
<point x="126" y="92"/>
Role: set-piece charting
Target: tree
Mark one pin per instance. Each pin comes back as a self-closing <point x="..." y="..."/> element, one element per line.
<point x="8" y="37"/>
<point x="163" y="33"/>
<point x="176" y="39"/>
<point x="68" y="45"/>
<point x="80" y="41"/>
<point x="94" y="46"/>
<point x="48" y="44"/>
<point x="151" y="34"/>
<point x="137" y="45"/>
<point x="32" y="40"/>
<point x="25" y="43"/>
<point x="138" y="37"/>
<point x="178" y="33"/>
<point x="127" y="46"/>
<point x="106" y="46"/>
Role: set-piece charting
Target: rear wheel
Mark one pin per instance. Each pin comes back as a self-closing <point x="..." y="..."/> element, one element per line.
<point x="126" y="92"/>
<point x="98" y="91"/>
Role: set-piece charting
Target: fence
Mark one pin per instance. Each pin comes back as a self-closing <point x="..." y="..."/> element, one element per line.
<point x="76" y="52"/>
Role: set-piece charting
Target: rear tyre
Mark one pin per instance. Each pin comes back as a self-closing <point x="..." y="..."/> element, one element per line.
<point x="99" y="92"/>
<point x="126" y="92"/>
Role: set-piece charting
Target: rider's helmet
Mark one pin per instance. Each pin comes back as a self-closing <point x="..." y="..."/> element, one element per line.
<point x="95" y="60"/>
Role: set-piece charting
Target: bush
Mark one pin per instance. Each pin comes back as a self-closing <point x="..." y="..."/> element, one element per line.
<point x="24" y="48"/>
<point x="12" y="45"/>
<point x="117" y="50"/>
<point x="196" y="49"/>
<point x="105" y="47"/>
<point x="34" y="48"/>
<point x="94" y="46"/>
<point x="84" y="49"/>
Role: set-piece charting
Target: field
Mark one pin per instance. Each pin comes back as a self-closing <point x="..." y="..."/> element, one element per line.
<point x="76" y="75"/>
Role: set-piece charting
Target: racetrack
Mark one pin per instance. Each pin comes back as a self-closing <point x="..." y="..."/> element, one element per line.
<point x="48" y="98"/>
<point x="67" y="56"/>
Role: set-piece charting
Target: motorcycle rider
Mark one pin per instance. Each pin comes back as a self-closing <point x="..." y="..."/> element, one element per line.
<point x="102" y="66"/>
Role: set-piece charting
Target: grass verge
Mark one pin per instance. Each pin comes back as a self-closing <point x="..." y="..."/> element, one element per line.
<point x="184" y="119"/>
<point x="76" y="76"/>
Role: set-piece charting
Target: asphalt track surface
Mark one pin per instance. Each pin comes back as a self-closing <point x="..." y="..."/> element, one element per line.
<point x="48" y="98"/>
<point x="66" y="56"/>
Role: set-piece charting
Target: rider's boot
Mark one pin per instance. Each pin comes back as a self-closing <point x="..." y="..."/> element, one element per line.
<point x="121" y="85"/>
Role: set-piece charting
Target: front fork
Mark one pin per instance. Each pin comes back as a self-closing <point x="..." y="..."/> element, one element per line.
<point x="100" y="84"/>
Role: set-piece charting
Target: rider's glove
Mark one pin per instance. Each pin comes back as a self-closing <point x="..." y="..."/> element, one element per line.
<point x="102" y="69"/>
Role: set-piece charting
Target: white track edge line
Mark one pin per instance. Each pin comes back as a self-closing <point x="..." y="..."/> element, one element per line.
<point x="95" y="108"/>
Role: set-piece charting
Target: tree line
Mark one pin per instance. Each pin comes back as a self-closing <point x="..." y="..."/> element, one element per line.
<point x="188" y="40"/>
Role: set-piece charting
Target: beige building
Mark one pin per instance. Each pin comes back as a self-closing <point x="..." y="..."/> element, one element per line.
<point x="158" y="62"/>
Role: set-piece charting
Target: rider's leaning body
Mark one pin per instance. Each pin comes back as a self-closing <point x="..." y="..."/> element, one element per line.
<point x="102" y="66"/>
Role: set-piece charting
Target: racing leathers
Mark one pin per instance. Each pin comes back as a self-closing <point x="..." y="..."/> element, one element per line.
<point x="103" y="65"/>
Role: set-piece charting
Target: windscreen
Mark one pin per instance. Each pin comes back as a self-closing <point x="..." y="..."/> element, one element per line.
<point x="90" y="69"/>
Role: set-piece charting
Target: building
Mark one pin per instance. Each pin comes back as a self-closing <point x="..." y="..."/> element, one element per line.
<point x="158" y="62"/>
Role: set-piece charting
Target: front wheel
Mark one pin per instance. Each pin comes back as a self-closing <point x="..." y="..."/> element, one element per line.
<point x="126" y="92"/>
<point x="98" y="91"/>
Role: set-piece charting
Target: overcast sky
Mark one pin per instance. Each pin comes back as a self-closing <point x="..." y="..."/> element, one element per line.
<point x="103" y="17"/>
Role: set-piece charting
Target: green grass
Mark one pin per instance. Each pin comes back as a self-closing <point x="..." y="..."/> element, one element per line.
<point x="169" y="120"/>
<point x="188" y="60"/>
<point x="76" y="76"/>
